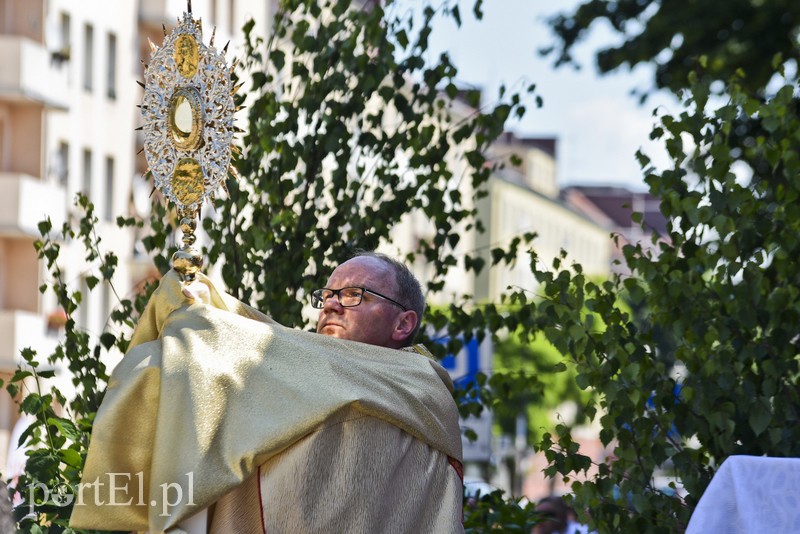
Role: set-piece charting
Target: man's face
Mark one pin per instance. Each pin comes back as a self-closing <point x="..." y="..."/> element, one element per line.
<point x="375" y="321"/>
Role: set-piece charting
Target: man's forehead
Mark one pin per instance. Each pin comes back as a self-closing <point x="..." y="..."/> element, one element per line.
<point x="362" y="270"/>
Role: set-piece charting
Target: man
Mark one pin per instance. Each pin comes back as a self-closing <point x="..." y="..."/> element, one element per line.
<point x="351" y="308"/>
<point x="361" y="313"/>
<point x="280" y="430"/>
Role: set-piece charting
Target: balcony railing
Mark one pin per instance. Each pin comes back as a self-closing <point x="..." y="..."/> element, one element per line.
<point x="28" y="73"/>
<point x="154" y="12"/>
<point x="19" y="330"/>
<point x="25" y="201"/>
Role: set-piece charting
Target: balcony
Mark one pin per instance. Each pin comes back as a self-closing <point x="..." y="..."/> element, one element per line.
<point x="20" y="329"/>
<point x="25" y="201"/>
<point x="155" y="13"/>
<point x="28" y="74"/>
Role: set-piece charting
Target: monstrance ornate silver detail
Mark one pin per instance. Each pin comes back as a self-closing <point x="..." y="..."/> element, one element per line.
<point x="188" y="127"/>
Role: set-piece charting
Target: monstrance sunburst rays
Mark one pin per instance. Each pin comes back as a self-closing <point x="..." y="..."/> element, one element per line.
<point x="188" y="124"/>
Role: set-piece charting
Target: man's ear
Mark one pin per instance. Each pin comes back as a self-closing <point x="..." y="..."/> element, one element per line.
<point x="406" y="323"/>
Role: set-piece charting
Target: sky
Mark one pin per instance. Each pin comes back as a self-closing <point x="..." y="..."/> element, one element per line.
<point x="598" y="124"/>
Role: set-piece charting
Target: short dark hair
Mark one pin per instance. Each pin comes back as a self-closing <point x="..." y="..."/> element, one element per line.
<point x="555" y="511"/>
<point x="409" y="290"/>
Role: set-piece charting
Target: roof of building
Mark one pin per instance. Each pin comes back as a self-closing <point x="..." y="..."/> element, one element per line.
<point x="614" y="205"/>
<point x="545" y="144"/>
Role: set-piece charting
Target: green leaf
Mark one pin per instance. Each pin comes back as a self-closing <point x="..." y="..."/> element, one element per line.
<point x="42" y="461"/>
<point x="402" y="38"/>
<point x="45" y="226"/>
<point x="760" y="415"/>
<point x="582" y="380"/>
<point x="107" y="339"/>
<point x="278" y="59"/>
<point x="576" y="331"/>
<point x="31" y="404"/>
<point x="71" y="457"/>
<point x="20" y="375"/>
<point x="66" y="427"/>
<point x="456" y="15"/>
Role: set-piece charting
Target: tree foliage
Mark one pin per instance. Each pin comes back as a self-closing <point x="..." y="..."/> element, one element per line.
<point x="672" y="35"/>
<point x="495" y="512"/>
<point x="548" y="383"/>
<point x="351" y="127"/>
<point x="57" y="440"/>
<point x="723" y="286"/>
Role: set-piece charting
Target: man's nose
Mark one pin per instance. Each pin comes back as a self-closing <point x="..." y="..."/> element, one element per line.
<point x="332" y="304"/>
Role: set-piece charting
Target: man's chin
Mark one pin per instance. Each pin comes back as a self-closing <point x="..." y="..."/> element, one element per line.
<point x="332" y="330"/>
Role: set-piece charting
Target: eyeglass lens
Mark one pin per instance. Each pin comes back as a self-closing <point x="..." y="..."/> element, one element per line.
<point x="348" y="296"/>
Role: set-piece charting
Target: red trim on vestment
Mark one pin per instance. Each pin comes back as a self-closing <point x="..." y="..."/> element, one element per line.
<point x="261" y="502"/>
<point x="460" y="472"/>
<point x="458" y="467"/>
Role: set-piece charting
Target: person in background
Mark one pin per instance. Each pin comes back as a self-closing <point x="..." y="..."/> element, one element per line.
<point x="573" y="525"/>
<point x="553" y="512"/>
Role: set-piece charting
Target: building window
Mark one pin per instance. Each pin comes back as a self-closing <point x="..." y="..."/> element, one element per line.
<point x="63" y="52"/>
<point x="62" y="164"/>
<point x="112" y="66"/>
<point x="87" y="173"/>
<point x="4" y="155"/>
<point x="105" y="302"/>
<point x="83" y="307"/>
<point x="88" y="56"/>
<point x="109" y="189"/>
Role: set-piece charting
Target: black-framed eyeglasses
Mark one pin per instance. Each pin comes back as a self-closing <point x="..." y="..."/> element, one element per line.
<point x="348" y="296"/>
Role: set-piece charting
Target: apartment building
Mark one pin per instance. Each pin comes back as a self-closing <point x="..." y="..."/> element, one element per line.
<point x="34" y="88"/>
<point x="525" y="198"/>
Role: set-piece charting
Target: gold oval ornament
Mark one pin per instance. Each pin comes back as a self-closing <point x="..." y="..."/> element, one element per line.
<point x="187" y="181"/>
<point x="186" y="54"/>
<point x="187" y="111"/>
<point x="185" y="118"/>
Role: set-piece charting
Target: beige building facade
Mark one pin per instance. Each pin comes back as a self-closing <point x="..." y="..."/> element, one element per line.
<point x="522" y="199"/>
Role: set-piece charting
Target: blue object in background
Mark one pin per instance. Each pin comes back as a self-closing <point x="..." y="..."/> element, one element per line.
<point x="464" y="366"/>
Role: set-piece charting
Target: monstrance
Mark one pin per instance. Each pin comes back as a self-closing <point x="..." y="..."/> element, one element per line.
<point x="188" y="111"/>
